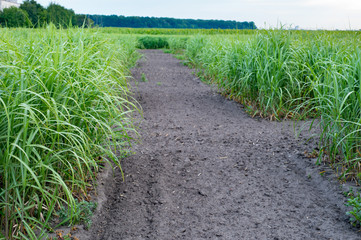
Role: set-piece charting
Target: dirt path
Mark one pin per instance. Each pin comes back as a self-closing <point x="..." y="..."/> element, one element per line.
<point x="206" y="170"/>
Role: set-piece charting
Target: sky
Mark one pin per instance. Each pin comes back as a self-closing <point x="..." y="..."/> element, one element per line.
<point x="307" y="14"/>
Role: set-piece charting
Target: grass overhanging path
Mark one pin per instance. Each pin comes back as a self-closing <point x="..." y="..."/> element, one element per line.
<point x="206" y="169"/>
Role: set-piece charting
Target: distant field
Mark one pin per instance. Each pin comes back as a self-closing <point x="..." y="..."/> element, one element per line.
<point x="170" y="31"/>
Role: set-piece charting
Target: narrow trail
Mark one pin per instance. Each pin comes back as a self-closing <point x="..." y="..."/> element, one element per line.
<point x="207" y="170"/>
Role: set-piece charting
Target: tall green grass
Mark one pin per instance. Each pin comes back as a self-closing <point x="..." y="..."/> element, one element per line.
<point x="289" y="74"/>
<point x="64" y="110"/>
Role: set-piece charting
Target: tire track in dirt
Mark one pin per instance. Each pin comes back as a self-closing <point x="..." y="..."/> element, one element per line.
<point x="206" y="170"/>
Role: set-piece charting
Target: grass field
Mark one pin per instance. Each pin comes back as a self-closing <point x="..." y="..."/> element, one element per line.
<point x="64" y="94"/>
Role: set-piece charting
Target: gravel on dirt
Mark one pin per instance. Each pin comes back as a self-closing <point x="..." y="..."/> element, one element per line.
<point x="205" y="169"/>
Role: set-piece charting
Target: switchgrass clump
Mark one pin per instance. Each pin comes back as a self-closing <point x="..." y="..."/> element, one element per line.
<point x="177" y="43"/>
<point x="255" y="71"/>
<point x="64" y="110"/>
<point x="334" y="73"/>
<point x="151" y="42"/>
<point x="126" y="46"/>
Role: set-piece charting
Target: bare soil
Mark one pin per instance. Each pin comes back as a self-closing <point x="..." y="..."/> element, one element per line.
<point x="206" y="170"/>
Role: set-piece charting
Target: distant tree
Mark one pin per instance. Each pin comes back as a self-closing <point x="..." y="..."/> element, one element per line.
<point x="252" y="25"/>
<point x="60" y="16"/>
<point x="14" y="17"/>
<point x="36" y="12"/>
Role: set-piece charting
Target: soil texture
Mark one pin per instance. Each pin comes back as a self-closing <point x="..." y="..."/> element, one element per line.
<point x="205" y="169"/>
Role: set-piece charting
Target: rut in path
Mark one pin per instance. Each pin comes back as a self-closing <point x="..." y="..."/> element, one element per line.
<point x="207" y="170"/>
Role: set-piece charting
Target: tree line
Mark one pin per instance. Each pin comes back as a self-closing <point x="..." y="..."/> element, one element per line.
<point x="32" y="14"/>
<point x="153" y="22"/>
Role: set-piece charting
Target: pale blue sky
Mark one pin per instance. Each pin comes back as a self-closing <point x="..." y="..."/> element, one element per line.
<point x="308" y="14"/>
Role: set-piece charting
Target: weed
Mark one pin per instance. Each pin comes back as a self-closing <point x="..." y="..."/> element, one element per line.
<point x="83" y="214"/>
<point x="349" y="192"/>
<point x="354" y="201"/>
<point x="144" y="78"/>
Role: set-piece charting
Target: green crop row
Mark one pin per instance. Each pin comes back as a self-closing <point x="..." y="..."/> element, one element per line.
<point x="170" y="31"/>
<point x="284" y="74"/>
<point x="64" y="111"/>
<point x="165" y="42"/>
